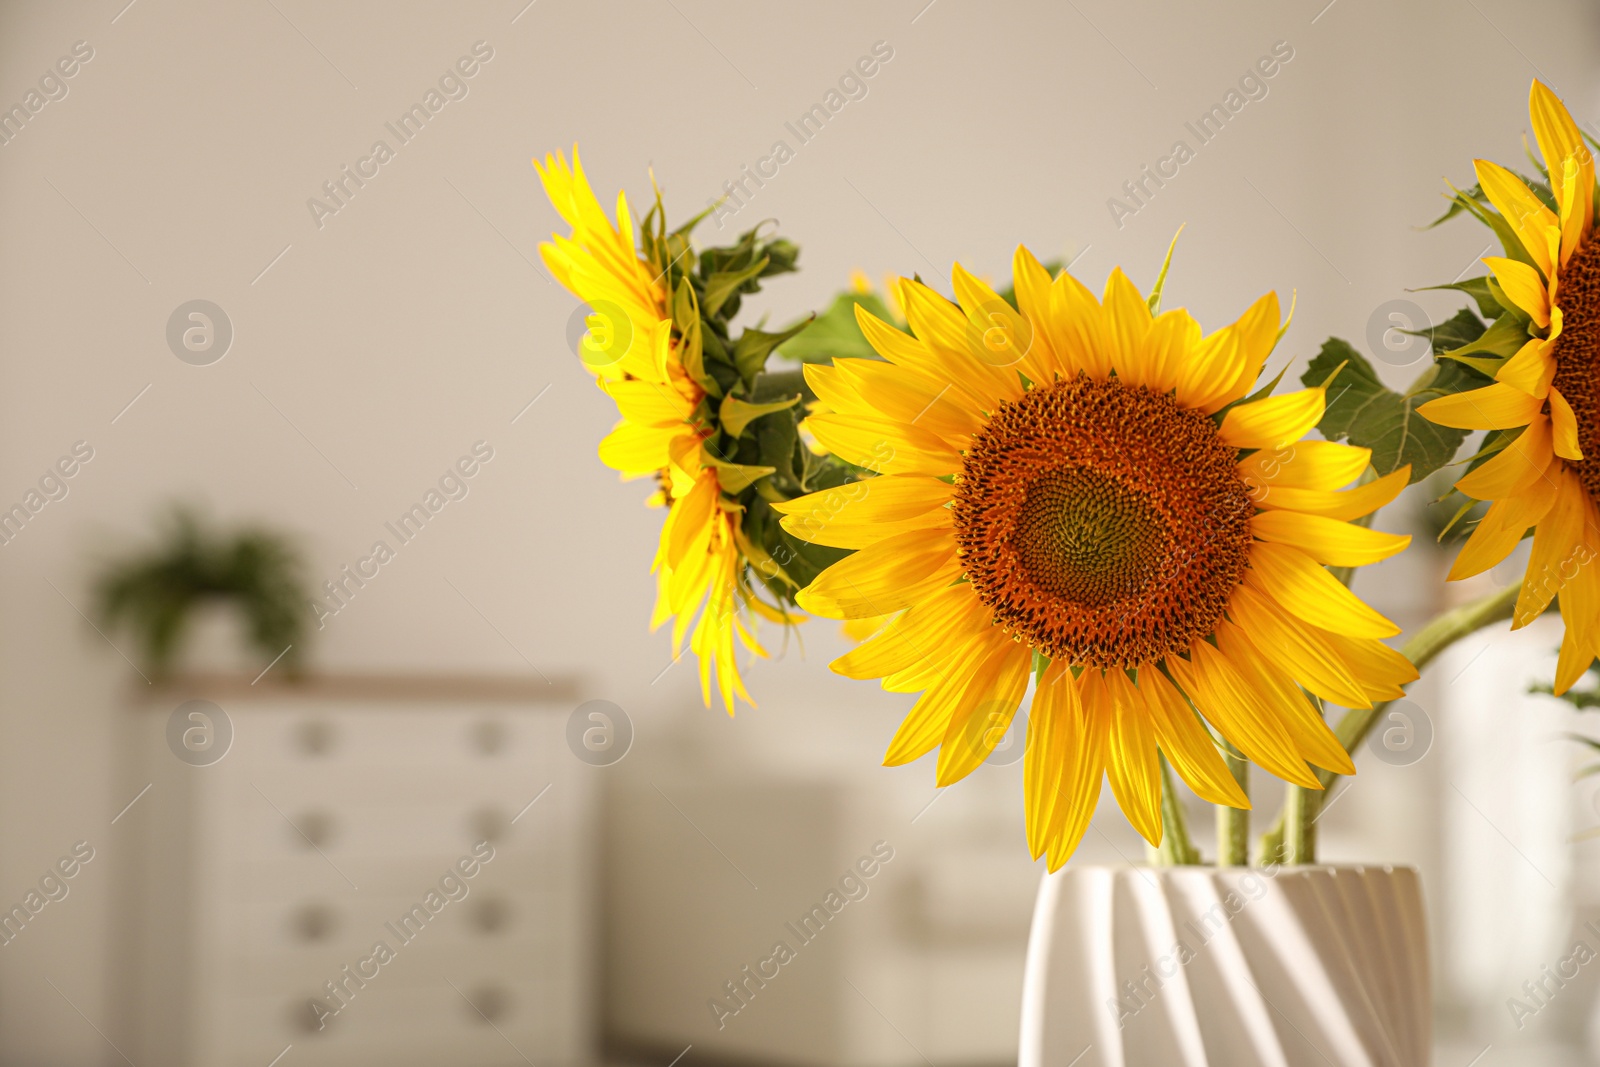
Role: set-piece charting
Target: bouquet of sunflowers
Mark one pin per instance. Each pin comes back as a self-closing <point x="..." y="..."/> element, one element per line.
<point x="1094" y="495"/>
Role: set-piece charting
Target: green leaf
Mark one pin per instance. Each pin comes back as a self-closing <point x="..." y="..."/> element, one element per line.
<point x="1504" y="338"/>
<point x="686" y="317"/>
<point x="735" y="478"/>
<point x="721" y="285"/>
<point x="736" y="414"/>
<point x="1478" y="289"/>
<point x="1161" y="279"/>
<point x="1368" y="414"/>
<point x="1456" y="206"/>
<point x="835" y="334"/>
<point x="1509" y="242"/>
<point x="1460" y="329"/>
<point x="754" y="346"/>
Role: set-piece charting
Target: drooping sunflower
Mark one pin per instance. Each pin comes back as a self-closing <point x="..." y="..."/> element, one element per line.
<point x="1543" y="351"/>
<point x="1081" y="482"/>
<point x="699" y="414"/>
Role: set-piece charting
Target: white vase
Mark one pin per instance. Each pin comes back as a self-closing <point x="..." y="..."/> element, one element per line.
<point x="1229" y="967"/>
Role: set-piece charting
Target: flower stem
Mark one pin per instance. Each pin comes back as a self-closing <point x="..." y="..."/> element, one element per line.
<point x="1233" y="824"/>
<point x="1442" y="631"/>
<point x="1176" y="849"/>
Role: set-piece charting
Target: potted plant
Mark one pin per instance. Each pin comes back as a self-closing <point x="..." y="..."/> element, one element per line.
<point x="160" y="592"/>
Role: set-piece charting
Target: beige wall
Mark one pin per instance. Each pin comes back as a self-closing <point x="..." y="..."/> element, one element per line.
<point x="414" y="322"/>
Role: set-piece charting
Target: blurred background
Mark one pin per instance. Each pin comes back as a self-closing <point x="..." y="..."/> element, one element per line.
<point x="364" y="348"/>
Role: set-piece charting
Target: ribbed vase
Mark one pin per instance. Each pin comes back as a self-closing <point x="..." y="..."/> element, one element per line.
<point x="1230" y="967"/>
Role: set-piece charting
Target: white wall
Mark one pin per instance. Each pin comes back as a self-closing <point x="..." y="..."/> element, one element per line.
<point x="413" y="323"/>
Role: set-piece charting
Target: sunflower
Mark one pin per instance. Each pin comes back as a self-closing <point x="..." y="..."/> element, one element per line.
<point x="1079" y="485"/>
<point x="634" y="346"/>
<point x="1543" y="469"/>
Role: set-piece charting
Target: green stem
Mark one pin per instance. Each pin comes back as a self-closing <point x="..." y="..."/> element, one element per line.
<point x="1233" y="824"/>
<point x="1176" y="848"/>
<point x="1444" y="630"/>
<point x="1300" y="832"/>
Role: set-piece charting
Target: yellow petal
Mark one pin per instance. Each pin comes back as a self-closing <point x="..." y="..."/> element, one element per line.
<point x="1273" y="421"/>
<point x="1313" y="741"/>
<point x="1078" y="330"/>
<point x="1258" y="330"/>
<point x="945" y="329"/>
<point x="1188" y="746"/>
<point x="924" y="633"/>
<point x="1560" y="143"/>
<point x="1032" y="283"/>
<point x="1305" y="465"/>
<point x="1328" y="541"/>
<point x="1082" y="753"/>
<point x="1055" y="722"/>
<point x="1502" y="527"/>
<point x="1307" y="591"/>
<point x="1530" y="220"/>
<point x="1132" y="767"/>
<point x="1524" y="285"/>
<point x="1565" y="427"/>
<point x="1531" y="370"/>
<point x="1510" y="470"/>
<point x="1127" y="317"/>
<point x="1381" y="670"/>
<point x="925" y="725"/>
<point x="1167" y="345"/>
<point x="1210" y="369"/>
<point x="884" y="446"/>
<point x="1559" y="547"/>
<point x="984" y="714"/>
<point x="884" y="577"/>
<point x="1296" y="648"/>
<point x="637" y="450"/>
<point x="1225" y="699"/>
<point x="1494" y="407"/>
<point x="1346" y="505"/>
<point x="1001" y="335"/>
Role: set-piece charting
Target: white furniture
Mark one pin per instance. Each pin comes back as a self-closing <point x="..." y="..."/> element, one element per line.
<point x="254" y="881"/>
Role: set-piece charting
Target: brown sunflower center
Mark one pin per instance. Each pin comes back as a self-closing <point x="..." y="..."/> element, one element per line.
<point x="1102" y="522"/>
<point x="1577" y="353"/>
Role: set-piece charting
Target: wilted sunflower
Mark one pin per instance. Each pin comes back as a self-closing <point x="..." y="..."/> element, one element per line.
<point x="1545" y="401"/>
<point x="693" y="400"/>
<point x="1078" y="481"/>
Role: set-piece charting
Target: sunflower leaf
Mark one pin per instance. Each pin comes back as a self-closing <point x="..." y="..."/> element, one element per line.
<point x="1504" y="337"/>
<point x="723" y="284"/>
<point x="754" y="346"/>
<point x="736" y="414"/>
<point x="1370" y="415"/>
<point x="834" y="334"/>
<point x="1478" y="289"/>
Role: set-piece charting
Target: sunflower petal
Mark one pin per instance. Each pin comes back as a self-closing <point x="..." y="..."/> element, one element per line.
<point x="1188" y="746"/>
<point x="985" y="712"/>
<point x="1305" y="590"/>
<point x="1328" y="541"/>
<point x="888" y="576"/>
<point x="1346" y="505"/>
<point x="1529" y="219"/>
<point x="1082" y="752"/>
<point x="1296" y="648"/>
<point x="1502" y="527"/>
<point x="1493" y="407"/>
<point x="1523" y="285"/>
<point x="1133" y="768"/>
<point x="1510" y="470"/>
<point x="1273" y="421"/>
<point x="1223" y="696"/>
<point x="1565" y="426"/>
<point x="1306" y="465"/>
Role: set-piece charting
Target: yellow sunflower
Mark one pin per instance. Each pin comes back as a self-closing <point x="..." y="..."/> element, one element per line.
<point x="1546" y="397"/>
<point x="1082" y="480"/>
<point x="633" y="346"/>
